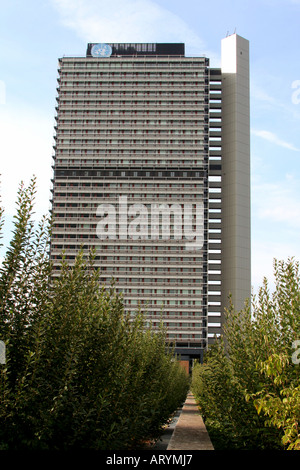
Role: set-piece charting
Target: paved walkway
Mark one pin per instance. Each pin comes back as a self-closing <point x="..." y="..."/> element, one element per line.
<point x="163" y="442"/>
<point x="190" y="432"/>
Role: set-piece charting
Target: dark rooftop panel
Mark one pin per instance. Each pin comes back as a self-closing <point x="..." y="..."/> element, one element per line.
<point x="173" y="49"/>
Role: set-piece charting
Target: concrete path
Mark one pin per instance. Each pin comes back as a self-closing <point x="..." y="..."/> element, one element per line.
<point x="190" y="432"/>
<point x="163" y="442"/>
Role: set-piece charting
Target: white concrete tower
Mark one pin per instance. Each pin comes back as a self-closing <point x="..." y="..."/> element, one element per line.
<point x="236" y="241"/>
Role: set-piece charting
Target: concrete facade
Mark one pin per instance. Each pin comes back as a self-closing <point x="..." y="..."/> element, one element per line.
<point x="236" y="220"/>
<point x="151" y="126"/>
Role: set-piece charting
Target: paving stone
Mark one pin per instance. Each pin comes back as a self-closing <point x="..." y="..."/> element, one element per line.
<point x="190" y="432"/>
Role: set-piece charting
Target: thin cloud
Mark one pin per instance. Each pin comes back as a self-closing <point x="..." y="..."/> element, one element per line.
<point x="25" y="144"/>
<point x="128" y="21"/>
<point x="276" y="225"/>
<point x="261" y="95"/>
<point x="277" y="202"/>
<point x="274" y="139"/>
<point x="264" y="251"/>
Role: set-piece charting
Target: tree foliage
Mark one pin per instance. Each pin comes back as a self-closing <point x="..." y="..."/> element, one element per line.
<point x="248" y="386"/>
<point x="79" y="372"/>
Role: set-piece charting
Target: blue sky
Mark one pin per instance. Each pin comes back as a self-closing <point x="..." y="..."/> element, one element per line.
<point x="35" y="33"/>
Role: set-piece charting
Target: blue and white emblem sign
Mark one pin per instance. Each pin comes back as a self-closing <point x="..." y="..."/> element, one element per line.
<point x="101" y="50"/>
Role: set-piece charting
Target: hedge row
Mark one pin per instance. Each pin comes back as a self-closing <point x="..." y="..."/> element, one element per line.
<point x="248" y="386"/>
<point x="79" y="372"/>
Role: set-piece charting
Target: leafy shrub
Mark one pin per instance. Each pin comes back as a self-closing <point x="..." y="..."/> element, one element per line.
<point x="248" y="386"/>
<point x="80" y="373"/>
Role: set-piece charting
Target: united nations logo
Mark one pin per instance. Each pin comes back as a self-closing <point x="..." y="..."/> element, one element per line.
<point x="101" y="50"/>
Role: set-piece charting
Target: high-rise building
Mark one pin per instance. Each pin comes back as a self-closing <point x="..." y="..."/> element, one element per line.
<point x="152" y="170"/>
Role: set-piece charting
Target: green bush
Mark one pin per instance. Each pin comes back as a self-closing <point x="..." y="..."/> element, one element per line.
<point x="248" y="386"/>
<point x="80" y="373"/>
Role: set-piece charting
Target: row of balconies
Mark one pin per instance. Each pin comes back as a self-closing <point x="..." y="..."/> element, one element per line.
<point x="83" y="220"/>
<point x="89" y="235"/>
<point x="156" y="72"/>
<point x="126" y="63"/>
<point x="175" y="327"/>
<point x="116" y="246"/>
<point x="132" y="88"/>
<point x="135" y="80"/>
<point x="115" y="188"/>
<point x="103" y="191"/>
<point x="132" y="96"/>
<point x="192" y="330"/>
<point x="138" y="85"/>
<point x="133" y="114"/>
<point x="91" y="209"/>
<point x="172" y="282"/>
<point x="165" y="186"/>
<point x="133" y="267"/>
<point x="110" y="261"/>
<point x="94" y="72"/>
<point x="134" y="91"/>
<point x="134" y="136"/>
<point x="106" y="126"/>
<point x="138" y="63"/>
<point x="121" y="106"/>
<point x="142" y="122"/>
<point x="149" y="156"/>
<point x="121" y="190"/>
<point x="135" y="69"/>
<point x="132" y="299"/>
<point x="115" y="138"/>
<point x="150" y="159"/>
<point x="160" y="75"/>
<point x="138" y="59"/>
<point x="157" y="257"/>
<point x="92" y="69"/>
<point x="109" y="124"/>
<point x="85" y="210"/>
<point x="153" y="193"/>
<point x="134" y="280"/>
<point x="124" y="93"/>
<point x="164" y="299"/>
<point x="159" y="269"/>
<point x="71" y="161"/>
<point x="134" y="131"/>
<point x="121" y="145"/>
<point x="92" y="204"/>
<point x="122" y="100"/>
<point x="156" y="318"/>
<point x="70" y="235"/>
<point x="111" y="148"/>
<point x="133" y="302"/>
